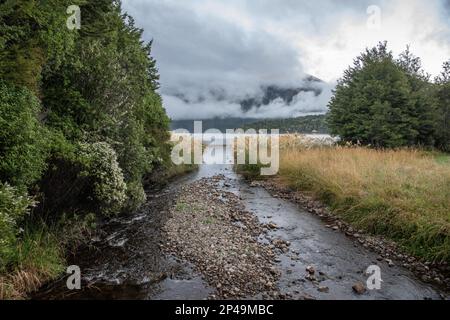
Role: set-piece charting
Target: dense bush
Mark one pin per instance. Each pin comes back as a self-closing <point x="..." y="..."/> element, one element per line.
<point x="95" y="85"/>
<point x="22" y="138"/>
<point x="108" y="188"/>
<point x="13" y="207"/>
<point x="82" y="179"/>
<point x="81" y="121"/>
<point x="107" y="93"/>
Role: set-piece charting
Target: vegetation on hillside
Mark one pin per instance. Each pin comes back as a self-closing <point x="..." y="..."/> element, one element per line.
<point x="305" y="124"/>
<point x="81" y="125"/>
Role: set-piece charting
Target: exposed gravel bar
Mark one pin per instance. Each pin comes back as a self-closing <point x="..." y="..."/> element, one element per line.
<point x="209" y="228"/>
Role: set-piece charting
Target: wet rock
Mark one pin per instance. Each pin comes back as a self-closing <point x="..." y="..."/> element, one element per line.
<point x="359" y="288"/>
<point x="272" y="225"/>
<point x="389" y="262"/>
<point x="310" y="269"/>
<point x="323" y="289"/>
<point x="380" y="245"/>
<point x="310" y="277"/>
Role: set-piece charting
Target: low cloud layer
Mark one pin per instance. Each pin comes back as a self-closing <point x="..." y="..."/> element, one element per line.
<point x="305" y="103"/>
<point x="230" y="49"/>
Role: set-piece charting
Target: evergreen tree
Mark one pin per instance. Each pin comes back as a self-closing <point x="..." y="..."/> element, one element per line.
<point x="424" y="114"/>
<point x="384" y="102"/>
<point x="443" y="97"/>
<point x="371" y="102"/>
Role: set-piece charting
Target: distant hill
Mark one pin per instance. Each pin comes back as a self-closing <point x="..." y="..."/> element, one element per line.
<point x="216" y="123"/>
<point x="306" y="124"/>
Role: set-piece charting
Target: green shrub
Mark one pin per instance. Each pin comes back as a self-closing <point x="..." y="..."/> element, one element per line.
<point x="13" y="207"/>
<point x="109" y="187"/>
<point x="135" y="196"/>
<point x="22" y="138"/>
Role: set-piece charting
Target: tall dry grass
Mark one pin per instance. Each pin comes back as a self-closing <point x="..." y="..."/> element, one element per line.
<point x="403" y="194"/>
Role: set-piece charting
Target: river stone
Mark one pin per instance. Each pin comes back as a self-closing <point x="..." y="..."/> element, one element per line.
<point x="359" y="288"/>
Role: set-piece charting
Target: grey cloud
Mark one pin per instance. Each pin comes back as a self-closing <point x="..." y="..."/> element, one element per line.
<point x="202" y="56"/>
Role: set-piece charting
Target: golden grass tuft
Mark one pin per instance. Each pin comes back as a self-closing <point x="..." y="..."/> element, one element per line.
<point x="37" y="258"/>
<point x="16" y="285"/>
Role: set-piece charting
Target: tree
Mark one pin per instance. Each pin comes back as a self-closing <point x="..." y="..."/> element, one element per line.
<point x="424" y="113"/>
<point x="383" y="102"/>
<point x="107" y="91"/>
<point x="32" y="33"/>
<point x="370" y="103"/>
<point x="443" y="97"/>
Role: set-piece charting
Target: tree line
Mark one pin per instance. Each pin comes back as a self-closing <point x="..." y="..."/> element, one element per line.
<point x="81" y="121"/>
<point x="389" y="102"/>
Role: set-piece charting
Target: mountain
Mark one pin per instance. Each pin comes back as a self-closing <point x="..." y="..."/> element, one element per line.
<point x="287" y="94"/>
<point x="266" y="95"/>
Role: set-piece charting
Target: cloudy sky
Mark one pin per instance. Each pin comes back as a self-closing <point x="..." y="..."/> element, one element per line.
<point x="236" y="46"/>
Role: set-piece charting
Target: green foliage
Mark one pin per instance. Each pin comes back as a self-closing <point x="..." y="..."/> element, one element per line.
<point x="135" y="196"/>
<point x="443" y="97"/>
<point x="22" y="138"/>
<point x="384" y="102"/>
<point x="81" y="121"/>
<point x="109" y="188"/>
<point x="106" y="92"/>
<point x="33" y="37"/>
<point x="13" y="207"/>
<point x="97" y="84"/>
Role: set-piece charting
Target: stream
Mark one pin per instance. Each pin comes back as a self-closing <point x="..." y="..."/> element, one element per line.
<point x="125" y="260"/>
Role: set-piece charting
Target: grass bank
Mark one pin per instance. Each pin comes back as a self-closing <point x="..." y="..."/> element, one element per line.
<point x="38" y="258"/>
<point x="401" y="194"/>
<point x="39" y="255"/>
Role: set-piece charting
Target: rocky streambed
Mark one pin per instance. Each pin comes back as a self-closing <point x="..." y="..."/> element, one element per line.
<point x="211" y="229"/>
<point x="212" y="235"/>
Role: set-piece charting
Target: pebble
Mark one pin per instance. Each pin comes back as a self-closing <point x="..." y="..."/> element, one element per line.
<point x="310" y="269"/>
<point x="323" y="289"/>
<point x="359" y="288"/>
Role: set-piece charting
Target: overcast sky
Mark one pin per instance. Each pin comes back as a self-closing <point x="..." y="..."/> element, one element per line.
<point x="238" y="45"/>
